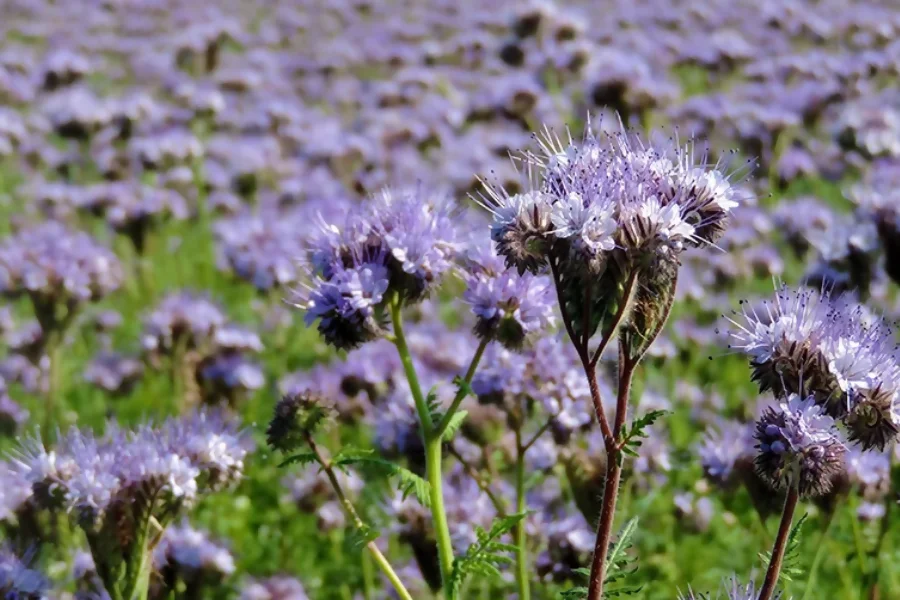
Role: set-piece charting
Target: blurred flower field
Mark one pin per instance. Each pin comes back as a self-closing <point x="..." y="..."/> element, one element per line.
<point x="345" y="299"/>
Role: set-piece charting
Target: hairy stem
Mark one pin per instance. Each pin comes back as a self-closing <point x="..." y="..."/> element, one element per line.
<point x="432" y="453"/>
<point x="613" y="477"/>
<point x="325" y="462"/>
<point x="781" y="540"/>
<point x="522" y="583"/>
<point x="461" y="393"/>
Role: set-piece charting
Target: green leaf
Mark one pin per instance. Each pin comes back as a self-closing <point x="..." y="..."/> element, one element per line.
<point x="303" y="458"/>
<point x="455" y="423"/>
<point x="407" y="482"/>
<point x="790" y="566"/>
<point x="486" y="555"/>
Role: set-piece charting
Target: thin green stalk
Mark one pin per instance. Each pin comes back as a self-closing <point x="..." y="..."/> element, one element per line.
<point x="522" y="583"/>
<point x="382" y="562"/>
<point x="368" y="577"/>
<point x="461" y="393"/>
<point x="817" y="559"/>
<point x="432" y="453"/>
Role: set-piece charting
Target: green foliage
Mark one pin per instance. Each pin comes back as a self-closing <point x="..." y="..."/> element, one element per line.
<point x="454" y="424"/>
<point x="303" y="458"/>
<point x="791" y="568"/>
<point x="619" y="565"/>
<point x="632" y="437"/>
<point x="487" y="554"/>
<point x="407" y="482"/>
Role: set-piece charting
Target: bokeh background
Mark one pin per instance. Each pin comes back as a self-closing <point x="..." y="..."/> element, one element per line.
<point x="202" y="143"/>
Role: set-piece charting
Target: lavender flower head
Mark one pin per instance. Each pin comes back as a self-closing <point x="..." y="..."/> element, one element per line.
<point x="832" y="349"/>
<point x="609" y="217"/>
<point x="190" y="551"/>
<point x="55" y="266"/>
<point x="509" y="308"/>
<point x="274" y="588"/>
<point x="17" y="580"/>
<point x="400" y="244"/>
<point x="722" y="448"/>
<point x="181" y="318"/>
<point x="609" y="196"/>
<point x="798" y="446"/>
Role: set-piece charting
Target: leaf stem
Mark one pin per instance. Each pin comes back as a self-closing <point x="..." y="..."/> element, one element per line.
<point x="781" y="540"/>
<point x="325" y="462"/>
<point x="461" y="393"/>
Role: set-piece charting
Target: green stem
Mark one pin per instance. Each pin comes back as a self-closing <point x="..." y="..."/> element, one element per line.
<point x="521" y="540"/>
<point x="432" y="453"/>
<point x="438" y="513"/>
<point x="382" y="562"/>
<point x="368" y="577"/>
<point x="461" y="393"/>
<point x="54" y="344"/>
<point x="817" y="559"/>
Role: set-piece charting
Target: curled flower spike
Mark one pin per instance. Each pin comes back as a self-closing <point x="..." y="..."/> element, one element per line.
<point x="398" y="245"/>
<point x="297" y="417"/>
<point x="798" y="446"/>
<point x="508" y="307"/>
<point x="832" y="349"/>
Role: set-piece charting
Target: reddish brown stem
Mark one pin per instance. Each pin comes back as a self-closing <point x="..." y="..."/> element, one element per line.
<point x="778" y="550"/>
<point x="613" y="478"/>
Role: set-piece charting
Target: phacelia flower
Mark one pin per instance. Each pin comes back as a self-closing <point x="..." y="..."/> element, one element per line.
<point x="274" y="588"/>
<point x="508" y="307"/>
<point x="832" y="349"/>
<point x="18" y="580"/>
<point x="189" y="554"/>
<point x="400" y="244"/>
<point x="731" y="589"/>
<point x="798" y="446"/>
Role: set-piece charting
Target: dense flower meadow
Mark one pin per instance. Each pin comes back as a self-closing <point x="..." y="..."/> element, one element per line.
<point x="418" y="300"/>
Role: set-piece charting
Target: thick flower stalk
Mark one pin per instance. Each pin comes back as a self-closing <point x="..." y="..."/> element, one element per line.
<point x="125" y="487"/>
<point x="608" y="217"/>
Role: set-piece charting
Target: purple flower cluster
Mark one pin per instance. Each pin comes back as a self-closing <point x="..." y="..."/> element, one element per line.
<point x="278" y="587"/>
<point x="55" y="266"/>
<point x="397" y="246"/>
<point x="158" y="469"/>
<point x="610" y="200"/>
<point x="18" y="580"/>
<point x="508" y="307"/>
<point x="187" y="553"/>
<point x="799" y="446"/>
<point x="831" y="349"/>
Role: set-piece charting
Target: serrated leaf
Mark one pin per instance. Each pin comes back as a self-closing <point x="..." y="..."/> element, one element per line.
<point x="578" y="593"/>
<point x="482" y="557"/>
<point x="303" y="458"/>
<point x="617" y="560"/>
<point x="407" y="482"/>
<point x="790" y="566"/>
<point x="455" y="423"/>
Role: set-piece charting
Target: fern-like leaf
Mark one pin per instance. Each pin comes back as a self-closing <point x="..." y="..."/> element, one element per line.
<point x="303" y="458"/>
<point x="407" y="482"/>
<point x="486" y="555"/>
<point x="790" y="565"/>
<point x="454" y="424"/>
